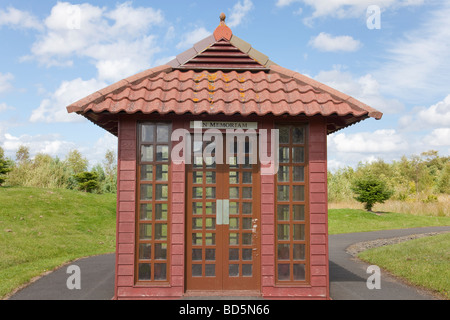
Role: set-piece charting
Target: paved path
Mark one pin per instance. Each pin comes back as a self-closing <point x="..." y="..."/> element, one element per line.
<point x="347" y="275"/>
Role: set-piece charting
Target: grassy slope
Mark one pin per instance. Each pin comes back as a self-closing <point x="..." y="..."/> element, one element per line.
<point x="424" y="262"/>
<point x="353" y="220"/>
<point x="40" y="229"/>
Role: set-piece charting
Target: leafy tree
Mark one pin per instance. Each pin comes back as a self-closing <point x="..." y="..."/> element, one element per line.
<point x="76" y="162"/>
<point x="370" y="190"/>
<point x="87" y="181"/>
<point x="5" y="166"/>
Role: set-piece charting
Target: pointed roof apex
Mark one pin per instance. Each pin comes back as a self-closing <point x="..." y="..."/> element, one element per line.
<point x="223" y="31"/>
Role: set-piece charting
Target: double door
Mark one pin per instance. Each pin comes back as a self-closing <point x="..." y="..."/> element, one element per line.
<point x="223" y="222"/>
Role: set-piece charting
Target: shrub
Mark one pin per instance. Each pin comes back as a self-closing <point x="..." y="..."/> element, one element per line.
<point x="370" y="190"/>
<point x="87" y="181"/>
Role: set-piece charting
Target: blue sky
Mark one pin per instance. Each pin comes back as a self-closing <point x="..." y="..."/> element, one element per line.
<point x="54" y="53"/>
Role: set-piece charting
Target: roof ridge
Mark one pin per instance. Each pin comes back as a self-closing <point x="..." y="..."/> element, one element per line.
<point x="324" y="88"/>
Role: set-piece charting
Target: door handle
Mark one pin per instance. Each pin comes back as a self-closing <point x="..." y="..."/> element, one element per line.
<point x="223" y="212"/>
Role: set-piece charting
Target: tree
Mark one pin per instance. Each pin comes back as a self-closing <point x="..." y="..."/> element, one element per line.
<point x="87" y="181"/>
<point x="5" y="166"/>
<point x="76" y="162"/>
<point x="370" y="190"/>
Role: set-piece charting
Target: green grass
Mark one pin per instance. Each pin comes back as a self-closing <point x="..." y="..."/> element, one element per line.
<point x="424" y="262"/>
<point x="354" y="220"/>
<point x="41" y="229"/>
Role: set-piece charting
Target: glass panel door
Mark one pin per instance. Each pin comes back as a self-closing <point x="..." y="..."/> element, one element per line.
<point x="222" y="247"/>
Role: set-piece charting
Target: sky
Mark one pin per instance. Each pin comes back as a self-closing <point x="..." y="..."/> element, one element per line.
<point x="393" y="55"/>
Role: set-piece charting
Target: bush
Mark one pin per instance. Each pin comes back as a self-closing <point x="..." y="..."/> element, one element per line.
<point x="370" y="190"/>
<point x="87" y="181"/>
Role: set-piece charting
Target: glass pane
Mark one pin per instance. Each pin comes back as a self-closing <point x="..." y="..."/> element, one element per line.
<point x="299" y="232"/>
<point x="210" y="192"/>
<point x="197" y="177"/>
<point x="298" y="154"/>
<point x="162" y="133"/>
<point x="147" y="172"/>
<point x="299" y="251"/>
<point x="284" y="134"/>
<point x="283" y="232"/>
<point x="145" y="232"/>
<point x="246" y="208"/>
<point x="161" y="192"/>
<point x="299" y="212"/>
<point x="146" y="192"/>
<point x="283" y="272"/>
<point x="246" y="224"/>
<point x="160" y="251"/>
<point x="284" y="154"/>
<point x="299" y="174"/>
<point x="146" y="153"/>
<point x="145" y="251"/>
<point x="233" y="270"/>
<point x="196" y="254"/>
<point x="234" y="193"/>
<point x="283" y="174"/>
<point x="210" y="239"/>
<point x="197" y="192"/>
<point x="247" y="238"/>
<point x="283" y="212"/>
<point x="234" y="177"/>
<point x="210" y="207"/>
<point x="161" y="211"/>
<point x="162" y="153"/>
<point x="197" y="207"/>
<point x="147" y="132"/>
<point x="299" y="193"/>
<point x="197" y="239"/>
<point x="283" y="193"/>
<point x="146" y="211"/>
<point x="232" y="161"/>
<point x="160" y="231"/>
<point x="234" y="208"/>
<point x="298" y="135"/>
<point x="246" y="177"/>
<point x="145" y="271"/>
<point x="247" y="270"/>
<point x="197" y="223"/>
<point x="210" y="162"/>
<point x="210" y="177"/>
<point x="210" y="223"/>
<point x="162" y="172"/>
<point x="198" y="162"/>
<point x="210" y="270"/>
<point x="233" y="254"/>
<point x="247" y="254"/>
<point x="283" y="252"/>
<point x="299" y="272"/>
<point x="234" y="224"/>
<point x="234" y="239"/>
<point x="196" y="270"/>
<point x="210" y="254"/>
<point x="247" y="193"/>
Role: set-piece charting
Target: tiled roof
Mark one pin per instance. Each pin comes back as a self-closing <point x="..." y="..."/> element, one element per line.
<point x="197" y="84"/>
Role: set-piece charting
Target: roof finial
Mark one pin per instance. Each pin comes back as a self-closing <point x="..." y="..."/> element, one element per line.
<point x="222" y="18"/>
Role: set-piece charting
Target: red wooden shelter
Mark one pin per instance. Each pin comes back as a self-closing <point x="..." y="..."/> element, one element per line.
<point x="221" y="223"/>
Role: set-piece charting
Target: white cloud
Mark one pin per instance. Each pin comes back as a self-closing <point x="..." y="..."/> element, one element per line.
<point x="5" y="82"/>
<point x="347" y="8"/>
<point x="365" y="88"/>
<point x="192" y="37"/>
<point x="50" y="144"/>
<point x="438" y="137"/>
<point x="380" y="141"/>
<point x="14" y="18"/>
<point x="437" y="115"/>
<point x="53" y="109"/>
<point x="4" y="107"/>
<point x="326" y="42"/>
<point x="108" y="38"/>
<point x="239" y="12"/>
<point x="417" y="65"/>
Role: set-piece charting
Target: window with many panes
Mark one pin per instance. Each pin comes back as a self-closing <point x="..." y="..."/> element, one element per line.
<point x="290" y="207"/>
<point x="153" y="202"/>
